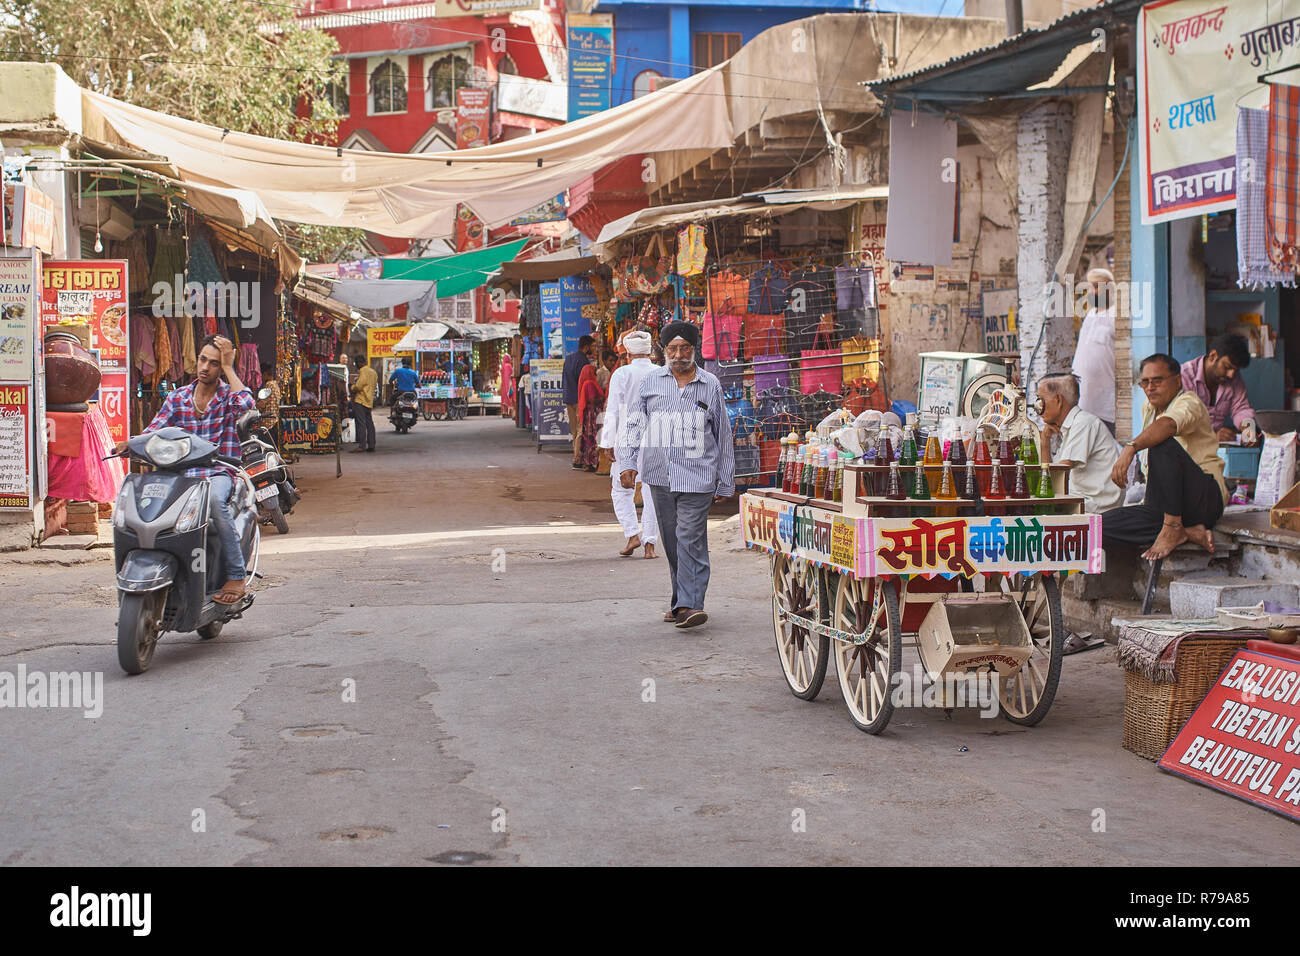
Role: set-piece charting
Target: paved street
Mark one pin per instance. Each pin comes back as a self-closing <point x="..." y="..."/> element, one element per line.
<point x="521" y="687"/>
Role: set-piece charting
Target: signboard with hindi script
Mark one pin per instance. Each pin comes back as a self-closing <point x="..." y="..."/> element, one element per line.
<point x="1198" y="60"/>
<point x="964" y="547"/>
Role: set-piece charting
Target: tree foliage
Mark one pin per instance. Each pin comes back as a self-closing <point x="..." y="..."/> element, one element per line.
<point x="230" y="63"/>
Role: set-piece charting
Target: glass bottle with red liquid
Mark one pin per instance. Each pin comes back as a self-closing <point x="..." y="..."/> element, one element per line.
<point x="884" y="456"/>
<point x="1019" y="489"/>
<point x="980" y="456"/>
<point x="996" y="492"/>
<point x="894" y="486"/>
<point x="1006" y="455"/>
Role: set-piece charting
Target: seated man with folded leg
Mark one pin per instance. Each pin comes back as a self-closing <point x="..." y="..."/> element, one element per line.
<point x="1185" y="490"/>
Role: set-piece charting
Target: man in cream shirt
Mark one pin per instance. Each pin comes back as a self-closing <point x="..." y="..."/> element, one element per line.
<point x="624" y="384"/>
<point x="1185" y="489"/>
<point x="1086" y="443"/>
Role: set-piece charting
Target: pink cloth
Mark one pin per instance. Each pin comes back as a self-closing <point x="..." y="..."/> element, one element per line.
<point x="88" y="478"/>
<point x="248" y="367"/>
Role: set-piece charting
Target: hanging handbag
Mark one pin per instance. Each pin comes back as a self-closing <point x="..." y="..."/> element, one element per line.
<point x="720" y="337"/>
<point x="861" y="359"/>
<point x="728" y="294"/>
<point x="691" y="251"/>
<point x="653" y="270"/>
<point x="764" y="334"/>
<point x="819" y="370"/>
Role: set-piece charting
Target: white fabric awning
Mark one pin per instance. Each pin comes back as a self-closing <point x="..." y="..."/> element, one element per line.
<point x="476" y="331"/>
<point x="776" y="202"/>
<point x="416" y="194"/>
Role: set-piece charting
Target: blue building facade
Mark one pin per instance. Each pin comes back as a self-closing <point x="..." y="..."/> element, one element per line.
<point x="657" y="38"/>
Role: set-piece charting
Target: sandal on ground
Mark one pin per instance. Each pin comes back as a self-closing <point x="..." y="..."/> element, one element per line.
<point x="1078" y="642"/>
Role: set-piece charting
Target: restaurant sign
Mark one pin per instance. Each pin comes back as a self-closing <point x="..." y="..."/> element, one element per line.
<point x="1244" y="738"/>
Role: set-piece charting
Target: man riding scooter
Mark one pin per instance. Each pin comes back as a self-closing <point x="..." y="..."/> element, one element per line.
<point x="404" y="379"/>
<point x="209" y="408"/>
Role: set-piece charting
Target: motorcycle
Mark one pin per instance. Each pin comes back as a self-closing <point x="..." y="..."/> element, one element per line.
<point x="403" y="412"/>
<point x="273" y="487"/>
<point x="166" y="548"/>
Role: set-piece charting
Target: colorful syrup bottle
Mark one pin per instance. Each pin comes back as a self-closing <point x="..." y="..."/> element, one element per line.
<point x="781" y="460"/>
<point x="894" y="488"/>
<point x="980" y="456"/>
<point x="1029" y="455"/>
<point x="884" y="456"/>
<point x="907" y="459"/>
<point x="920" y="485"/>
<point x="809" y="471"/>
<point x="837" y="478"/>
<point x="1044" y="491"/>
<point x="947" y="486"/>
<point x="819" y="476"/>
<point x="1019" y="483"/>
<point x="970" y="488"/>
<point x="1006" y="456"/>
<point x="787" y="476"/>
<point x="957" y="452"/>
<point x="933" y="459"/>
<point x="995" y="490"/>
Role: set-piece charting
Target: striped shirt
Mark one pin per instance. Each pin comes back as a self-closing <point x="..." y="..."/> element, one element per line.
<point x="682" y="434"/>
<point x="216" y="424"/>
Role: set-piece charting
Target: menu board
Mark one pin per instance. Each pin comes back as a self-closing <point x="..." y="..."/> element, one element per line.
<point x="94" y="292"/>
<point x="17" y="318"/>
<point x="15" y="452"/>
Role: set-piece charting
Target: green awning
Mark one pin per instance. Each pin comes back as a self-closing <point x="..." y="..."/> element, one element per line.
<point x="454" y="274"/>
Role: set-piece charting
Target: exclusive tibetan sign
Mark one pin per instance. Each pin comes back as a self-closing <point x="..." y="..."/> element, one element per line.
<point x="1244" y="738"/>
<point x="312" y="431"/>
<point x="1198" y="61"/>
<point x="969" y="546"/>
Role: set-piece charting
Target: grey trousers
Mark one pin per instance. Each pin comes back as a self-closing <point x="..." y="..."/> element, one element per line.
<point x="683" y="534"/>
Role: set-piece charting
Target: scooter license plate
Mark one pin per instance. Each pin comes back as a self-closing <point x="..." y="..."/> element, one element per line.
<point x="154" y="489"/>
<point x="269" y="491"/>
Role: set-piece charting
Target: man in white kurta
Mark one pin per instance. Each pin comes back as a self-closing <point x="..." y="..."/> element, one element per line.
<point x="1094" y="358"/>
<point x="623" y="386"/>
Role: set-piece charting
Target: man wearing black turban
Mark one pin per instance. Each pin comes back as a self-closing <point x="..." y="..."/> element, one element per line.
<point x="677" y="425"/>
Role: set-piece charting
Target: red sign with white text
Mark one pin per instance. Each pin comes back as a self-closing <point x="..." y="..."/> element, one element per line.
<point x="1244" y="738"/>
<point x="473" y="118"/>
<point x="94" y="292"/>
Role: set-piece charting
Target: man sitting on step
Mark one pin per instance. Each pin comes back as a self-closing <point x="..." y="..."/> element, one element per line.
<point x="1185" y="490"/>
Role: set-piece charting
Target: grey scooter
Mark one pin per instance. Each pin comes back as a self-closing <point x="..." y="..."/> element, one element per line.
<point x="166" y="548"/>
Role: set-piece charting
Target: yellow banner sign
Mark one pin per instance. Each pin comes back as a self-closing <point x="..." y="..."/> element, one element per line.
<point x="380" y="342"/>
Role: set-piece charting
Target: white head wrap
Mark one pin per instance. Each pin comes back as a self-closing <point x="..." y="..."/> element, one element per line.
<point x="637" y="343"/>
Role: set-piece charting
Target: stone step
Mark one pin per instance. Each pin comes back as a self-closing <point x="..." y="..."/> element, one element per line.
<point x="1194" y="598"/>
<point x="1095" y="615"/>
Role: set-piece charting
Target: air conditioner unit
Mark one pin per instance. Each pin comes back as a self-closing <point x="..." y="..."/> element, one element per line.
<point x="106" y="216"/>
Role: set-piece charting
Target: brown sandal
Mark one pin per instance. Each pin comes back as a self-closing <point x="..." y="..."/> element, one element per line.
<point x="228" y="592"/>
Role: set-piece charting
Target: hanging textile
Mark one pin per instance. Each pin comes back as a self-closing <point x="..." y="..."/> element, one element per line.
<point x="768" y="290"/>
<point x="137" y="261"/>
<point x="720" y="337"/>
<point x="168" y="259"/>
<point x="819" y="370"/>
<point x="1283" y="183"/>
<point x="861" y="359"/>
<point x="771" y="371"/>
<point x="162" y="350"/>
<point x="1254" y="269"/>
<point x="189" y="358"/>
<point x="176" y="368"/>
<point x="728" y="294"/>
<point x="764" y="334"/>
<point x="142" y="334"/>
<point x="248" y="367"/>
<point x="202" y="265"/>
<point x="691" y="251"/>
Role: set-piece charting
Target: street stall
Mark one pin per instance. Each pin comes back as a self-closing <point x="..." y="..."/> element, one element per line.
<point x="951" y="553"/>
<point x="445" y="376"/>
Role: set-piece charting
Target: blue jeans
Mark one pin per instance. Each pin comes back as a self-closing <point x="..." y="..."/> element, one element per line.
<point x="219" y="487"/>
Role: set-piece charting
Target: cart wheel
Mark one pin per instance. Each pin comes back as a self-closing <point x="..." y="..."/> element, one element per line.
<point x="439" y="416"/>
<point x="866" y="671"/>
<point x="427" y="412"/>
<point x="1027" y="695"/>
<point x="796" y="587"/>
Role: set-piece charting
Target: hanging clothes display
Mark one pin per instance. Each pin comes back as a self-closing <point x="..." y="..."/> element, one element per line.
<point x="248" y="367"/>
<point x="189" y="357"/>
<point x="768" y="290"/>
<point x="176" y="368"/>
<point x="691" y="251"/>
<point x="1282" y="204"/>
<point x="162" y="350"/>
<point x="142" y="334"/>
<point x="132" y="249"/>
<point x="168" y="259"/>
<point x="1254" y="268"/>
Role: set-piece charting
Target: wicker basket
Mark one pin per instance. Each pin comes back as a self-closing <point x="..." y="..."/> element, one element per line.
<point x="1154" y="713"/>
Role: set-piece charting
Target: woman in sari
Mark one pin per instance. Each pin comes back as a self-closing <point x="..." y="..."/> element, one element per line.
<point x="591" y="400"/>
<point x="507" y="388"/>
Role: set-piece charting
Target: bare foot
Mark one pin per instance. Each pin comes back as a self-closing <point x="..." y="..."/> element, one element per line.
<point x="1170" y="537"/>
<point x="633" y="543"/>
<point x="1202" y="536"/>
<point x="650" y="550"/>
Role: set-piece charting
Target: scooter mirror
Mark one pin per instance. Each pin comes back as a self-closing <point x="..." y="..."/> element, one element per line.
<point x="263" y="394"/>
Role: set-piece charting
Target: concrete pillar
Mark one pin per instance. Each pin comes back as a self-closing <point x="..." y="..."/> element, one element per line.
<point x="1043" y="138"/>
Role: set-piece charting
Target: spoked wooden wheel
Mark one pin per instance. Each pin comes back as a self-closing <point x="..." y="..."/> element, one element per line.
<point x="867" y="670"/>
<point x="1026" y="696"/>
<point x="796" y="589"/>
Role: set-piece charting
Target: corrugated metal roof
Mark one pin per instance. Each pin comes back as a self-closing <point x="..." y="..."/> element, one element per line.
<point x="1038" y="53"/>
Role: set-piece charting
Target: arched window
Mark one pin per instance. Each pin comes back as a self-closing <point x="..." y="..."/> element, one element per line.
<point x="507" y="66"/>
<point x="446" y="75"/>
<point x="388" y="88"/>
<point x="644" y="82"/>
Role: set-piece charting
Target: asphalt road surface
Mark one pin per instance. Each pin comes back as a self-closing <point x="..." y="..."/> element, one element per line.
<point x="448" y="663"/>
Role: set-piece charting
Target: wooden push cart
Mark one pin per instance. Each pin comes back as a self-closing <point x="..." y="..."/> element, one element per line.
<point x="443" y="402"/>
<point x="972" y="586"/>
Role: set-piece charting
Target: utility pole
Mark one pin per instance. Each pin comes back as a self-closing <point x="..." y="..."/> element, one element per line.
<point x="1015" y="18"/>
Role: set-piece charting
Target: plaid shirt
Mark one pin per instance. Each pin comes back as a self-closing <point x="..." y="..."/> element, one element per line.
<point x="216" y="424"/>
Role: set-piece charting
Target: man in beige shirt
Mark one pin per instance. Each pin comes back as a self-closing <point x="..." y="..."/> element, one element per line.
<point x="1185" y="490"/>
<point x="363" y="401"/>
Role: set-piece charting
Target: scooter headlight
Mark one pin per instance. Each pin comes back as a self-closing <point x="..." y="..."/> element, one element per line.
<point x="166" y="451"/>
<point x="119" y="513"/>
<point x="192" y="510"/>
